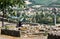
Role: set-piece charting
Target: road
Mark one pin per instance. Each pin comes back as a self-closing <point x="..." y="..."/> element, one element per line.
<point x="10" y="37"/>
<point x="12" y="24"/>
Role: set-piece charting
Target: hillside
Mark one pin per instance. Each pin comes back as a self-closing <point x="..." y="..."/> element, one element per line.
<point x="44" y="2"/>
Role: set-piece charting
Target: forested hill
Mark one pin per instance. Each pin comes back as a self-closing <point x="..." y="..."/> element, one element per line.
<point x="44" y="2"/>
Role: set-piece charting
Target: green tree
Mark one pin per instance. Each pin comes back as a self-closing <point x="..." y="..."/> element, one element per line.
<point x="4" y="4"/>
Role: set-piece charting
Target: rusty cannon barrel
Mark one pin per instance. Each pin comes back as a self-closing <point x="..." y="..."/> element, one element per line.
<point x="54" y="35"/>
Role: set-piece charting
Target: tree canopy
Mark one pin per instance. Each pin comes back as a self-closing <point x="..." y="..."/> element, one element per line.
<point x="7" y="3"/>
<point x="4" y="4"/>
